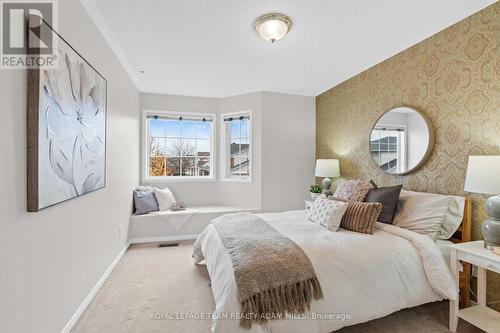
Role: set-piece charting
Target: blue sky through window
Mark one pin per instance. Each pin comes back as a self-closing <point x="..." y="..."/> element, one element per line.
<point x="167" y="135"/>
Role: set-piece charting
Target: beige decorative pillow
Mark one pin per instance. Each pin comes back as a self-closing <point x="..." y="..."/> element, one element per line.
<point x="361" y="216"/>
<point x="327" y="212"/>
<point x="331" y="197"/>
<point x="353" y="190"/>
<point x="165" y="198"/>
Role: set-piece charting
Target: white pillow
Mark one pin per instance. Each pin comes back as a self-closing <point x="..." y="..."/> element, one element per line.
<point x="327" y="212"/>
<point x="453" y="218"/>
<point x="428" y="213"/>
<point x="165" y="198"/>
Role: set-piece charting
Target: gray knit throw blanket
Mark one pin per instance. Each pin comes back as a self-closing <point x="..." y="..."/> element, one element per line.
<point x="273" y="274"/>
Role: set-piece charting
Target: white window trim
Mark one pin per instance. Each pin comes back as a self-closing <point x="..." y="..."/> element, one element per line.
<point x="145" y="153"/>
<point x="223" y="165"/>
<point x="404" y="148"/>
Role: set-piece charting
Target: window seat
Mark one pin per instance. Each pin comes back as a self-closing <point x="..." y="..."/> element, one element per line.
<point x="176" y="226"/>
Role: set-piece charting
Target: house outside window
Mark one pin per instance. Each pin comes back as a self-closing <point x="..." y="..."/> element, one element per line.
<point x="179" y="146"/>
<point x="236" y="146"/>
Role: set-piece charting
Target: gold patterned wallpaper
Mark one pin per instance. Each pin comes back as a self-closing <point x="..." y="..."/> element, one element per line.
<point x="453" y="77"/>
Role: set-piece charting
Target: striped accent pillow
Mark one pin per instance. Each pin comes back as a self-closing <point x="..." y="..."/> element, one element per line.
<point x="361" y="216"/>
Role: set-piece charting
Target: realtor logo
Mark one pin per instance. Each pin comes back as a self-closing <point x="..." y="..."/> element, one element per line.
<point x="27" y="40"/>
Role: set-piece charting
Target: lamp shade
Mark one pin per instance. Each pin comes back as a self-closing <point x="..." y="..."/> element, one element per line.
<point x="327" y="168"/>
<point x="483" y="175"/>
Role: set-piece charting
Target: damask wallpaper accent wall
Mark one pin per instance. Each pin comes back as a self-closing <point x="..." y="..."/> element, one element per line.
<point x="454" y="78"/>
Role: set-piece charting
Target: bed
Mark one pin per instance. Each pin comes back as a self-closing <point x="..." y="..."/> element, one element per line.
<point x="363" y="277"/>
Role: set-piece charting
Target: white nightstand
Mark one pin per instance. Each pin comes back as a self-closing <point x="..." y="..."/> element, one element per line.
<point x="308" y="204"/>
<point x="478" y="315"/>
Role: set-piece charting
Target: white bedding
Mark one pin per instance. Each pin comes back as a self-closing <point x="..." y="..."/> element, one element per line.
<point x="444" y="247"/>
<point x="363" y="276"/>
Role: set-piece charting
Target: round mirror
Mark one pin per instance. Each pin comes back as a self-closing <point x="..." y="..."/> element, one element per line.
<point x="401" y="140"/>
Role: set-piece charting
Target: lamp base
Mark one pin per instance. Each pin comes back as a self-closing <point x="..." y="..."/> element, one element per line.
<point x="491" y="227"/>
<point x="326" y="184"/>
<point x="491" y="233"/>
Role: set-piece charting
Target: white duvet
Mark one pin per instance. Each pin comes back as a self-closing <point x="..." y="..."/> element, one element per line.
<point x="363" y="276"/>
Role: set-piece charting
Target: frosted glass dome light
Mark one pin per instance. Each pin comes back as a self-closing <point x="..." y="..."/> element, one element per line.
<point x="273" y="27"/>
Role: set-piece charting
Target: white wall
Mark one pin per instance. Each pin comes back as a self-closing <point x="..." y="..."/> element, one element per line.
<point x="288" y="150"/>
<point x="394" y="119"/>
<point x="418" y="139"/>
<point x="283" y="153"/>
<point x="52" y="259"/>
<point x="246" y="194"/>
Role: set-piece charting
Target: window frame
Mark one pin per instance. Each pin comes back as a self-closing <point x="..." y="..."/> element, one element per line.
<point x="146" y="178"/>
<point x="403" y="154"/>
<point x="224" y="157"/>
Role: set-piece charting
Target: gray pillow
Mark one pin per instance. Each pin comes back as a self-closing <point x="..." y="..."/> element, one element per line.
<point x="388" y="197"/>
<point x="145" y="202"/>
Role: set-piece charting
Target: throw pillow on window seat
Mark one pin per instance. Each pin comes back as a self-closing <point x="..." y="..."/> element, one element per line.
<point x="144" y="201"/>
<point x="165" y="198"/>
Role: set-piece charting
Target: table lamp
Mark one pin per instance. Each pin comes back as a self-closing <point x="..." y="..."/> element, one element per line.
<point x="483" y="176"/>
<point x="327" y="168"/>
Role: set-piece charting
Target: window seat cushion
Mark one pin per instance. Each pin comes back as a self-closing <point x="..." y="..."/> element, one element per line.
<point x="180" y="225"/>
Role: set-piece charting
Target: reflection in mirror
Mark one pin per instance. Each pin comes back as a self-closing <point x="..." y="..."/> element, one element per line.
<point x="401" y="140"/>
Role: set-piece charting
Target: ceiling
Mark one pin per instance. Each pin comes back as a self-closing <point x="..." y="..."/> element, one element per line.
<point x="210" y="48"/>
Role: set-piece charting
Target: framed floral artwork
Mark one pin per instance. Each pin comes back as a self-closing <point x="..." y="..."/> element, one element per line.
<point x="66" y="130"/>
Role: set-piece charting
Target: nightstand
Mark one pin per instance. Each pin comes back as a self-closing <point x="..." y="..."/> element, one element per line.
<point x="478" y="315"/>
<point x="308" y="204"/>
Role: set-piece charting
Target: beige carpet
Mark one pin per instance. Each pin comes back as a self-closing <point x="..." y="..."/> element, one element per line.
<point x="150" y="282"/>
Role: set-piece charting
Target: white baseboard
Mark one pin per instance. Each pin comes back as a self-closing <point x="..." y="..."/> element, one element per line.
<point x="163" y="239"/>
<point x="71" y="323"/>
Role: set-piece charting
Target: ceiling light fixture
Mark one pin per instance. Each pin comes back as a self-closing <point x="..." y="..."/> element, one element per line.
<point x="273" y="27"/>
